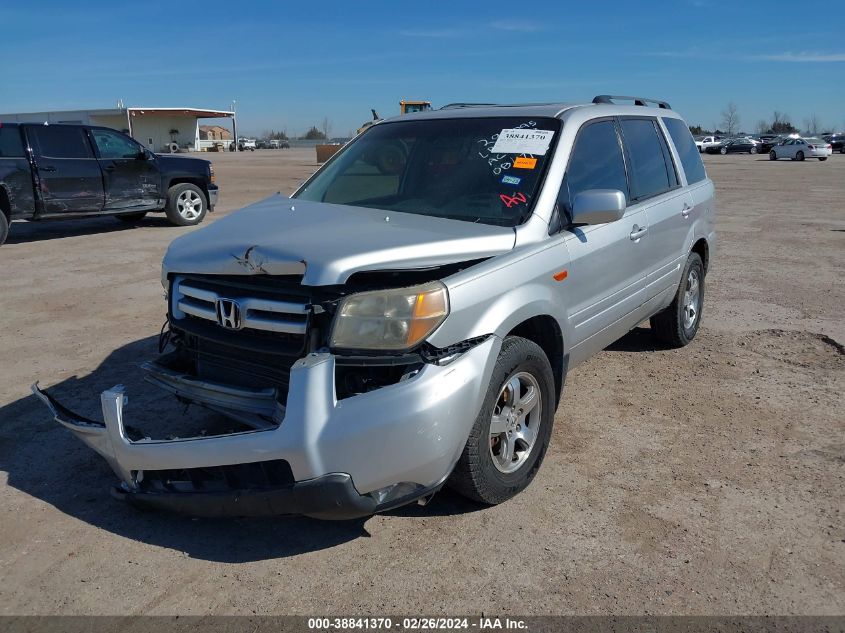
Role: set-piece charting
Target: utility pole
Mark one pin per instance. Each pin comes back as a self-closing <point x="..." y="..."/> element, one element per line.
<point x="235" y="123"/>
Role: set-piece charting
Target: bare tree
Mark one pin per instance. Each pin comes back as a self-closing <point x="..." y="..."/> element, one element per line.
<point x="814" y="124"/>
<point x="326" y="126"/>
<point x="762" y="126"/>
<point x="730" y="118"/>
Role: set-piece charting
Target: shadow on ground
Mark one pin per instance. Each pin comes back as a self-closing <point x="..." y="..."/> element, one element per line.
<point x="24" y="232"/>
<point x="44" y="460"/>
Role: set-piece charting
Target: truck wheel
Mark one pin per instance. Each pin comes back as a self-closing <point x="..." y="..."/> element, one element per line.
<point x="131" y="218"/>
<point x="186" y="204"/>
<point x="4" y="228"/>
<point x="678" y="324"/>
<point x="511" y="433"/>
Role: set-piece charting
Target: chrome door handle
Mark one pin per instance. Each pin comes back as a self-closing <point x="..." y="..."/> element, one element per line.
<point x="638" y="232"/>
<point x="685" y="211"/>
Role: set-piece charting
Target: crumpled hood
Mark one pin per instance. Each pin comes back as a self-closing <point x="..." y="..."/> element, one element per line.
<point x="328" y="243"/>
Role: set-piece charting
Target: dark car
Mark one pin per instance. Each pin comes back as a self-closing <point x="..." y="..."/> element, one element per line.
<point x="734" y="146"/>
<point x="75" y="171"/>
<point x="768" y="142"/>
<point x="837" y="142"/>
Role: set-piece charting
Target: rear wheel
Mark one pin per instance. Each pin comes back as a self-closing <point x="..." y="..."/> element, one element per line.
<point x="4" y="228"/>
<point x="799" y="156"/>
<point x="678" y="324"/>
<point x="131" y="218"/>
<point x="186" y="204"/>
<point x="723" y="151"/>
<point x="753" y="149"/>
<point x="511" y="433"/>
<point x="822" y="158"/>
<point x="772" y="155"/>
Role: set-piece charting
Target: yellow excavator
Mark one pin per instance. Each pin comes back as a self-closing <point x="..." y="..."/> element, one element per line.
<point x="406" y="106"/>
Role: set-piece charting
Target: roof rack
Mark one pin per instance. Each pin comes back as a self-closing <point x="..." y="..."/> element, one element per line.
<point x="451" y="106"/>
<point x="640" y="101"/>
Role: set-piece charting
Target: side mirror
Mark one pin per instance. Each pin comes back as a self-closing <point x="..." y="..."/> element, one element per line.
<point x="145" y="154"/>
<point x="597" y="206"/>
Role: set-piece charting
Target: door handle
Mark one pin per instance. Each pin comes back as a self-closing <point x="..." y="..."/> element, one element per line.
<point x="638" y="232"/>
<point x="47" y="168"/>
<point x="108" y="167"/>
<point x="685" y="211"/>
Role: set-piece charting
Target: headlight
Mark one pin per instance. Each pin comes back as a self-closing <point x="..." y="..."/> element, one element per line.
<point x="394" y="319"/>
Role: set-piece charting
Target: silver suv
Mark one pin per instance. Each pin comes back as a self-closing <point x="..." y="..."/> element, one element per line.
<point x="408" y="317"/>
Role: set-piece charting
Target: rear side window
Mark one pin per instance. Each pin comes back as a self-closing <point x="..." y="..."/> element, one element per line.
<point x="596" y="163"/>
<point x="652" y="171"/>
<point x="10" y="142"/>
<point x="687" y="151"/>
<point x="57" y="141"/>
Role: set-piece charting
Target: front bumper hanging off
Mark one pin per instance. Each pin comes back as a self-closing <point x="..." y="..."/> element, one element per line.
<point x="345" y="458"/>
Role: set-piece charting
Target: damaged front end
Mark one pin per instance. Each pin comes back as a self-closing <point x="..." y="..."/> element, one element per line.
<point x="308" y="431"/>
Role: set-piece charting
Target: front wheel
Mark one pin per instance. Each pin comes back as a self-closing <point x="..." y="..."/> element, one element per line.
<point x="511" y="433"/>
<point x="823" y="158"/>
<point x="723" y="151"/>
<point x="678" y="324"/>
<point x="753" y="149"/>
<point x="186" y="204"/>
<point x="772" y="155"/>
<point x="799" y="156"/>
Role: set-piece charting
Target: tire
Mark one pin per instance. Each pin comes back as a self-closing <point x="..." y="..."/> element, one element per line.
<point x="4" y="228"/>
<point x="842" y="150"/>
<point x="131" y="218"/>
<point x="186" y="204"/>
<point x="723" y="151"/>
<point x="822" y="158"/>
<point x="799" y="156"/>
<point x="483" y="473"/>
<point x="753" y="149"/>
<point x="772" y="155"/>
<point x="673" y="325"/>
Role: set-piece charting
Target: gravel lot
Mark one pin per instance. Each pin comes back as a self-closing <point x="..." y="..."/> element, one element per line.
<point x="707" y="480"/>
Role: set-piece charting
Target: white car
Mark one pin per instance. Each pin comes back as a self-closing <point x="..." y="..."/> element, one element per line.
<point x="801" y="148"/>
<point x="703" y="142"/>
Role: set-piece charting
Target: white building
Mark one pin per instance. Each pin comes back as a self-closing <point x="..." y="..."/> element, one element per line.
<point x="157" y="128"/>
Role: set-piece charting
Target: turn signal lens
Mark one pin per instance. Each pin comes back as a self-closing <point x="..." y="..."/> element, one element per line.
<point x="395" y="319"/>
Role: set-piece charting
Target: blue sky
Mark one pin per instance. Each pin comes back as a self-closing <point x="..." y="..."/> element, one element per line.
<point x="289" y="65"/>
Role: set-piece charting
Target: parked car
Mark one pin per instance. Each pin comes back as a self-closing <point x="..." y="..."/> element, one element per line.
<point x="407" y="319"/>
<point x="279" y="143"/>
<point x="769" y="142"/>
<point x="801" y="148"/>
<point x="244" y="144"/>
<point x="733" y="146"/>
<point x="837" y="142"/>
<point x="704" y="142"/>
<point x="78" y="171"/>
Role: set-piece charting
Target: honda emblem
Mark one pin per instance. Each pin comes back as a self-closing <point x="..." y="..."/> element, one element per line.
<point x="228" y="314"/>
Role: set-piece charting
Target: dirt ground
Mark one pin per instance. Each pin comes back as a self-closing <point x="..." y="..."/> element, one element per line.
<point x="707" y="480"/>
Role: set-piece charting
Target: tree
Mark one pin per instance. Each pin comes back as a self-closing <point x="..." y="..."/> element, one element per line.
<point x="781" y="124"/>
<point x="697" y="130"/>
<point x="326" y="126"/>
<point x="814" y="125"/>
<point x="762" y="126"/>
<point x="730" y="118"/>
<point x="314" y="134"/>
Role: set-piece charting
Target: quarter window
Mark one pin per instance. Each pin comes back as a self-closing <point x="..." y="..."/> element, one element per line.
<point x="651" y="168"/>
<point x="687" y="151"/>
<point x="596" y="163"/>
<point x="10" y="142"/>
<point x="58" y="141"/>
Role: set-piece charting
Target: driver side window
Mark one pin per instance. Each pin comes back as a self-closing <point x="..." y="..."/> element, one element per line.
<point x="595" y="163"/>
<point x="114" y="145"/>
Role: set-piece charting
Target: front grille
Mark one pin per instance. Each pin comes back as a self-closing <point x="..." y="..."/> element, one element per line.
<point x="258" y="356"/>
<point x="255" y="476"/>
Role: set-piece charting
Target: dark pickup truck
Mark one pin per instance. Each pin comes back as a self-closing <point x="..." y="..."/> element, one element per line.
<point x="71" y="171"/>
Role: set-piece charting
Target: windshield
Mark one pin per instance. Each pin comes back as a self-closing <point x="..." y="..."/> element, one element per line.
<point x="484" y="170"/>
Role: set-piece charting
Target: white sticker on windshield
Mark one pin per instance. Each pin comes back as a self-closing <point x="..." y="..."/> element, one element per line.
<point x="525" y="141"/>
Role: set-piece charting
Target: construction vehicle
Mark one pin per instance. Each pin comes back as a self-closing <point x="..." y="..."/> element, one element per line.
<point x="406" y="106"/>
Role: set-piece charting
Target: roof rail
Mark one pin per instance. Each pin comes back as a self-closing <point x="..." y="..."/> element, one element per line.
<point x="640" y="101"/>
<point x="451" y="106"/>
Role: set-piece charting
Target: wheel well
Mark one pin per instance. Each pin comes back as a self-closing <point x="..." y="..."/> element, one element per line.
<point x="703" y="251"/>
<point x="545" y="332"/>
<point x="193" y="181"/>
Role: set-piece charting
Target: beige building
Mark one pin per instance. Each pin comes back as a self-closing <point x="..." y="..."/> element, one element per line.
<point x="214" y="133"/>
